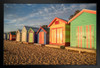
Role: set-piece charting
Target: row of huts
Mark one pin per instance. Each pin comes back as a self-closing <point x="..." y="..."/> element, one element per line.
<point x="80" y="31"/>
<point x="29" y="35"/>
<point x="10" y="35"/>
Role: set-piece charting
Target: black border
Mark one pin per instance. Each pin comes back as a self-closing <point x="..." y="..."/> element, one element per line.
<point x="47" y="2"/>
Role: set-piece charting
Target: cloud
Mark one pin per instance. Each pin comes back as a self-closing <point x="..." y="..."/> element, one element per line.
<point x="40" y="12"/>
<point x="86" y="6"/>
<point x="29" y="4"/>
<point x="46" y="10"/>
<point x="45" y="15"/>
<point x="8" y="6"/>
<point x="52" y="7"/>
<point x="61" y="11"/>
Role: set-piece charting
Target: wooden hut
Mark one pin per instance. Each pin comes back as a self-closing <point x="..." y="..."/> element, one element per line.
<point x="83" y="29"/>
<point x="25" y="34"/>
<point x="5" y="36"/>
<point x="59" y="32"/>
<point x="12" y="35"/>
<point x="43" y="35"/>
<point x="18" y="35"/>
<point x="8" y="36"/>
<point x="32" y="37"/>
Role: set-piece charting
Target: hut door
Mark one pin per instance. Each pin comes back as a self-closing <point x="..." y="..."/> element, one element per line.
<point x="24" y="37"/>
<point x="4" y="36"/>
<point x="10" y="37"/>
<point x="59" y="35"/>
<point x="56" y="35"/>
<point x="7" y="36"/>
<point x="18" y="38"/>
<point x="89" y="36"/>
<point x="53" y="36"/>
<point x="31" y="37"/>
<point x="41" y="37"/>
<point x="85" y="36"/>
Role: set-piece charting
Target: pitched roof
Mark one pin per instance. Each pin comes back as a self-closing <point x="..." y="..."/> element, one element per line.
<point x="19" y="30"/>
<point x="35" y="29"/>
<point x="28" y="27"/>
<point x="13" y="33"/>
<point x="65" y="21"/>
<point x="84" y="10"/>
<point x="5" y="33"/>
<point x="46" y="30"/>
<point x="8" y="32"/>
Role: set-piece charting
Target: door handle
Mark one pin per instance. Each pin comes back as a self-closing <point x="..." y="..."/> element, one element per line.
<point x="93" y="36"/>
<point x="84" y="37"/>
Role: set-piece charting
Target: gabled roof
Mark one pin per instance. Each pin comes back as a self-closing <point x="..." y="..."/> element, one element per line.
<point x="8" y="32"/>
<point x="44" y="29"/>
<point x="19" y="30"/>
<point x="5" y="33"/>
<point x="28" y="27"/>
<point x="33" y="29"/>
<point x="84" y="10"/>
<point x="13" y="32"/>
<point x="47" y="29"/>
<point x="58" y="19"/>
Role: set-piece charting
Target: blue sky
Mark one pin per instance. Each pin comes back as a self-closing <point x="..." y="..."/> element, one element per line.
<point x="18" y="15"/>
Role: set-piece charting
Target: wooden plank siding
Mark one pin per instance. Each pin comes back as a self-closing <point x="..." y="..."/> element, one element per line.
<point x="58" y="29"/>
<point x="83" y="29"/>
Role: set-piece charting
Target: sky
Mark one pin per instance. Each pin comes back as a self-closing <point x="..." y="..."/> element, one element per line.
<point x="18" y="15"/>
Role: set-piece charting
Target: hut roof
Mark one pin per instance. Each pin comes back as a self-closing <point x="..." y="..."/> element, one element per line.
<point x="35" y="29"/>
<point x="8" y="32"/>
<point x="44" y="29"/>
<point x="5" y="33"/>
<point x="47" y="29"/>
<point x="13" y="33"/>
<point x="84" y="10"/>
<point x="65" y="21"/>
<point x="28" y="27"/>
<point x="19" y="30"/>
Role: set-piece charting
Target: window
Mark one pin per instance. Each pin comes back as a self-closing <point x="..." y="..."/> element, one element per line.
<point x="56" y="22"/>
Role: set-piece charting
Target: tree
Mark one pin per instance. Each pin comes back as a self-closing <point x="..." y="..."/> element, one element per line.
<point x="77" y="11"/>
<point x="44" y="26"/>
